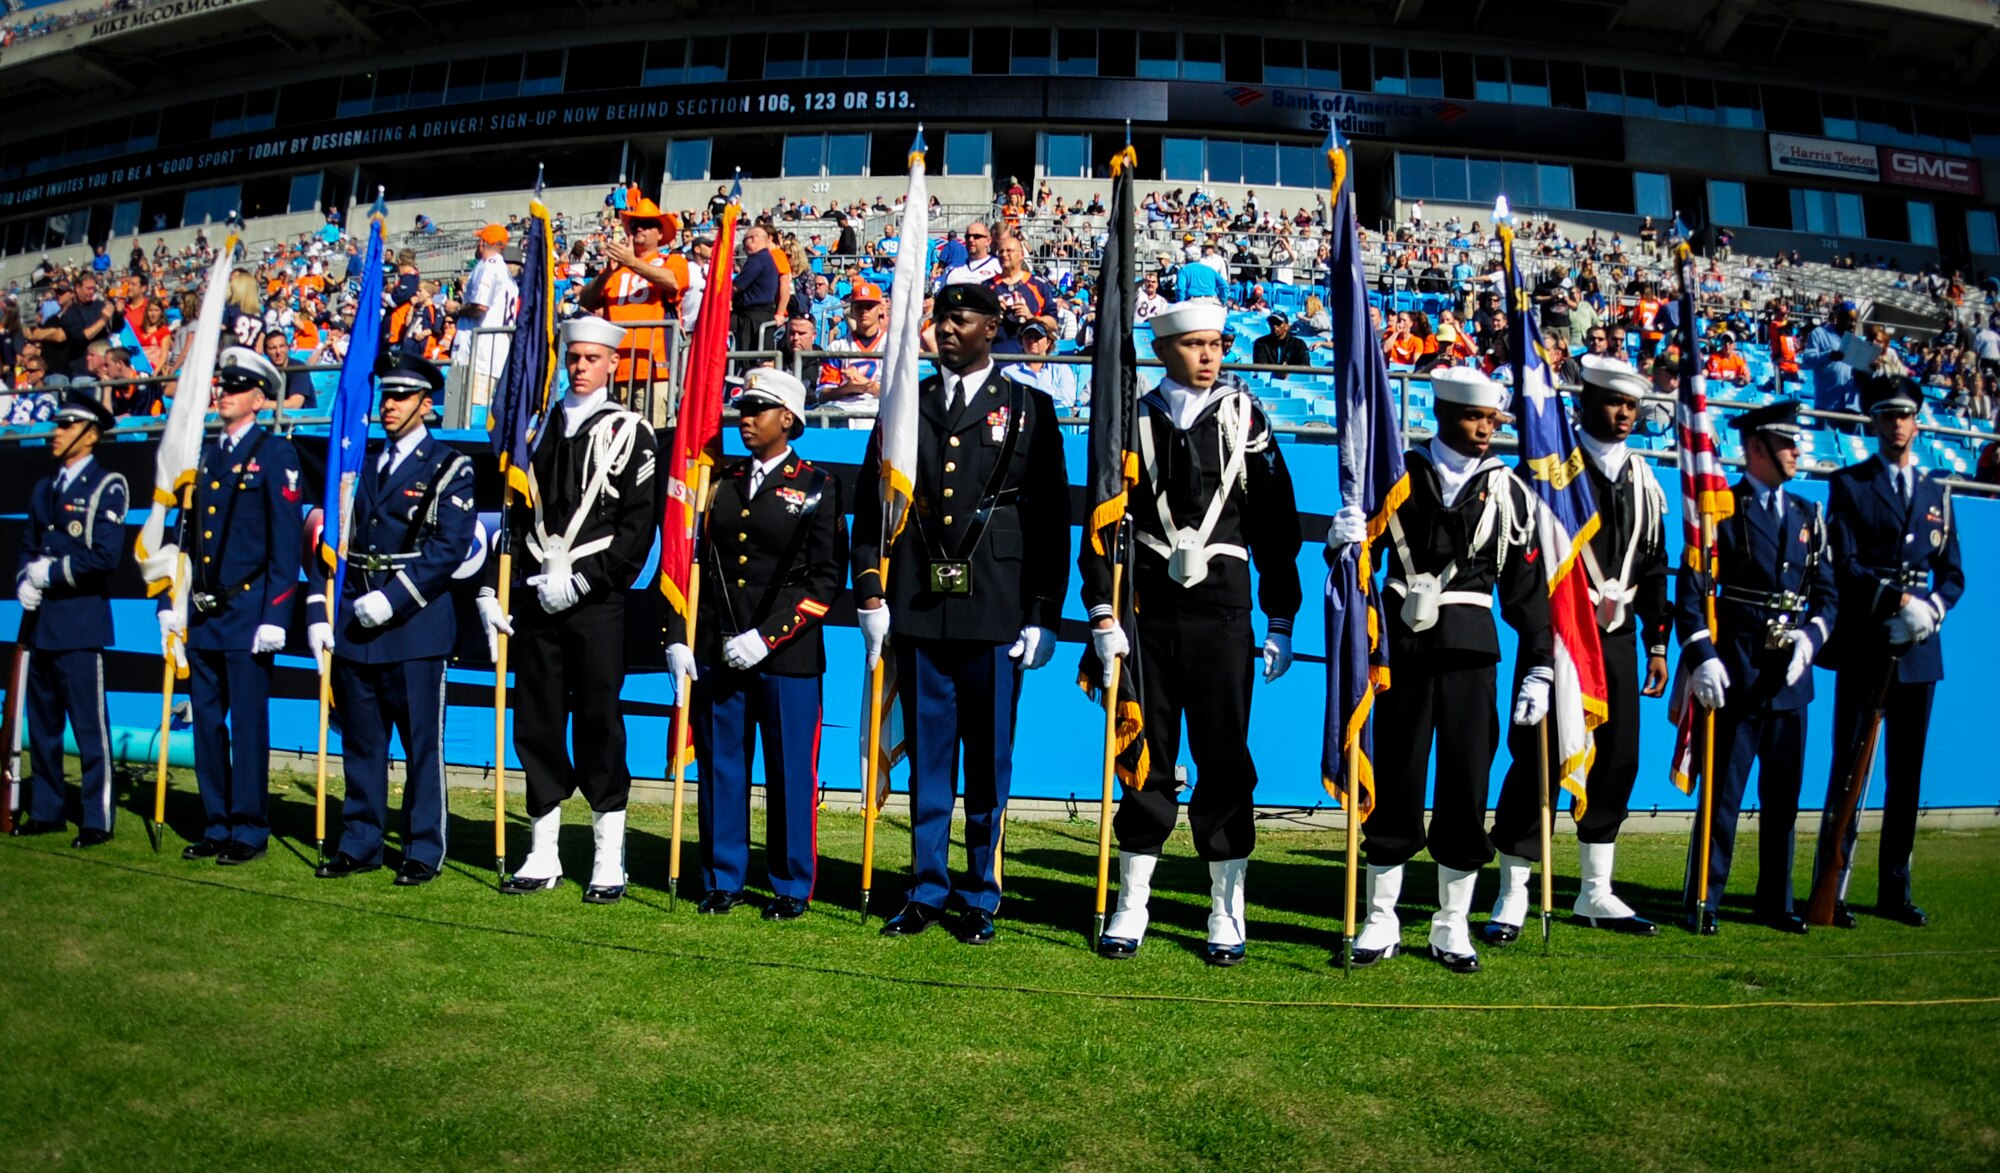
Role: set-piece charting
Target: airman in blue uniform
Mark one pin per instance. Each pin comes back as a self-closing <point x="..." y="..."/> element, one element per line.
<point x="413" y="530"/>
<point x="243" y="533"/>
<point x="1896" y="565"/>
<point x="74" y="541"/>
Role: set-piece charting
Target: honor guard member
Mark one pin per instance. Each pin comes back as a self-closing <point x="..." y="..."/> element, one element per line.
<point x="414" y="530"/>
<point x="1625" y="565"/>
<point x="775" y="560"/>
<point x="1467" y="532"/>
<point x="74" y="541"/>
<point x="582" y="533"/>
<point x="1896" y="568"/>
<point x="1773" y="612"/>
<point x="976" y="583"/>
<point x="244" y="535"/>
<point x="1213" y="495"/>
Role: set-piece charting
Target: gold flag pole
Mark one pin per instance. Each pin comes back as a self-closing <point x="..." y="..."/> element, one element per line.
<point x="160" y="767"/>
<point x="1708" y="732"/>
<point x="325" y="709"/>
<point x="1548" y="877"/>
<point x="1110" y="759"/>
<point x="872" y="775"/>
<point x="505" y="591"/>
<point x="683" y="686"/>
<point x="1351" y="803"/>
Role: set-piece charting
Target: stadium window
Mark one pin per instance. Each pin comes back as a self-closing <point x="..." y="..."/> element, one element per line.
<point x="1736" y="105"/>
<point x="1700" y="95"/>
<point x="1482" y="181"/>
<point x="742" y="59"/>
<point x="1888" y="217"/>
<point x="1065" y="156"/>
<point x="907" y="48"/>
<point x="357" y="95"/>
<point x="260" y="110"/>
<point x="968" y="153"/>
<point x="1787" y="109"/>
<point x="1767" y="205"/>
<point x="503" y="77"/>
<point x="1555" y="186"/>
<point x="1302" y="167"/>
<point x="125" y="218"/>
<point x="1603" y="89"/>
<point x="1603" y="189"/>
<point x="708" y="59"/>
<point x="1242" y="59"/>
<point x="805" y="156"/>
<point x="1260" y="163"/>
<point x="392" y="90"/>
<point x="1201" y="57"/>
<point x="992" y="51"/>
<point x="666" y="62"/>
<point x="826" y="53"/>
<point x="1531" y="81"/>
<point x="1902" y="125"/>
<point x="1426" y="73"/>
<point x="1159" y="55"/>
<point x="1521" y="184"/>
<point x="542" y="73"/>
<point x="1413" y="177"/>
<point x="1565" y="86"/>
<point x="73" y="139"/>
<point x="1839" y="119"/>
<point x="1284" y="62"/>
<point x="1982" y="231"/>
<point x="1448" y="180"/>
<point x="1985" y="132"/>
<point x="144" y="133"/>
<point x="1225" y="161"/>
<point x="1389" y="71"/>
<point x="304" y="195"/>
<point x="1847" y="214"/>
<point x="179" y="125"/>
<point x="426" y="87"/>
<point x="1639" y="101"/>
<point x="1725" y="202"/>
<point x="1670" y="96"/>
<point x="865" y="51"/>
<point x="105" y="139"/>
<point x="467" y="78"/>
<point x="785" y="55"/>
<point x="1033" y="52"/>
<point x="1930" y="128"/>
<point x="1957" y="132"/>
<point x="226" y="116"/>
<point x="1323" y="65"/>
<point x="208" y="205"/>
<point x="1652" y="195"/>
<point x="847" y="154"/>
<point x="1489" y="78"/>
<point x="1117" y="53"/>
<point x="1180" y="159"/>
<point x="1357" y="68"/>
<point x="951" y="51"/>
<point x="688" y="158"/>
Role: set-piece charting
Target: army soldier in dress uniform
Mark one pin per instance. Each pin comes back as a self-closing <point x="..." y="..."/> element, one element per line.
<point x="1625" y="565"/>
<point x="414" y="530"/>
<point x="1896" y="567"/>
<point x="244" y="534"/>
<point x="1213" y="495"/>
<point x="1467" y="530"/>
<point x="581" y="537"/>
<point x="74" y="541"/>
<point x="1773" y="612"/>
<point x="775" y="560"/>
<point x="976" y="584"/>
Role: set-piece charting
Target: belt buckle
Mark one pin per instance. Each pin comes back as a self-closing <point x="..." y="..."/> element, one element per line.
<point x="950" y="578"/>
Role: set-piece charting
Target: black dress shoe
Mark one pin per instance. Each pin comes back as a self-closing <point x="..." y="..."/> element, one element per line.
<point x="1222" y="956"/>
<point x="1631" y="926"/>
<point x="1702" y="922"/>
<point x="975" y="927"/>
<point x="38" y="827"/>
<point x="90" y="837"/>
<point x="238" y="853"/>
<point x="342" y="865"/>
<point x="1117" y="948"/>
<point x="518" y="886"/>
<point x="1495" y="932"/>
<point x="204" y="849"/>
<point x="1456" y="962"/>
<point x="1905" y="913"/>
<point x="718" y="903"/>
<point x="1843" y="916"/>
<point x="785" y="908"/>
<point x="604" y="893"/>
<point x="1363" y="958"/>
<point x="914" y="919"/>
<point x="413" y="873"/>
<point x="1785" y="922"/>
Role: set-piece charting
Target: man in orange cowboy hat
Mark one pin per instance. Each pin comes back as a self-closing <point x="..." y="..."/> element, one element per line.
<point x="641" y="285"/>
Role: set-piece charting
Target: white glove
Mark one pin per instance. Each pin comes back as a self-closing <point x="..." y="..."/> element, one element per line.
<point x="1531" y="704"/>
<point x="492" y="620"/>
<point x="1109" y="643"/>
<point x="29" y="595"/>
<point x="1277" y="655"/>
<point x="269" y="638"/>
<point x="874" y="625"/>
<point x="373" y="609"/>
<point x="1711" y="682"/>
<point x="38" y="573"/>
<point x="319" y="638"/>
<point x="172" y="627"/>
<point x="1349" y="527"/>
<point x="1034" y="647"/>
<point x="1914" y="624"/>
<point x="1802" y="656"/>
<point x="680" y="662"/>
<point x="745" y="650"/>
<point x="558" y="594"/>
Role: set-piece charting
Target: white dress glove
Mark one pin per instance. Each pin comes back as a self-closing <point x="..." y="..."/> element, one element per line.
<point x="1034" y="647"/>
<point x="1349" y="526"/>
<point x="373" y="609"/>
<point x="319" y="638"/>
<point x="1711" y="682"/>
<point x="172" y="627"/>
<point x="680" y="662"/>
<point x="29" y="595"/>
<point x="1914" y="624"/>
<point x="269" y="638"/>
<point x="38" y="573"/>
<point x="1531" y="704"/>
<point x="1277" y="655"/>
<point x="1109" y="643"/>
<point x="745" y="650"/>
<point x="492" y="620"/>
<point x="874" y="625"/>
<point x="1802" y="657"/>
<point x="559" y="594"/>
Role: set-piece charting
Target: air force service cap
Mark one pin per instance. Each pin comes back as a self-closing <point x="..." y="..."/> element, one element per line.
<point x="1891" y="394"/>
<point x="83" y="408"/>
<point x="240" y="368"/>
<point x="1779" y="420"/>
<point x="410" y="375"/>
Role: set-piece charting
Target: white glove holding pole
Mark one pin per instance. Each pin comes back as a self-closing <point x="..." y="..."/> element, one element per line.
<point x="745" y="650"/>
<point x="1348" y="527"/>
<point x="373" y="609"/>
<point x="1109" y="643"/>
<point x="38" y="573"/>
<point x="492" y="620"/>
<point x="1034" y="647"/>
<point x="558" y="593"/>
<point x="1531" y="704"/>
<point x="1914" y="624"/>
<point x="1802" y="656"/>
<point x="29" y="595"/>
<point x="874" y="625"/>
<point x="1711" y="683"/>
<point x="268" y="639"/>
<point x="1277" y="655"/>
<point x="172" y="627"/>
<point x="319" y="639"/>
<point x="680" y="662"/>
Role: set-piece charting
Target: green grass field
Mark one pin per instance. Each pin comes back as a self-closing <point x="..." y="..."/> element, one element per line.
<point x="164" y="1014"/>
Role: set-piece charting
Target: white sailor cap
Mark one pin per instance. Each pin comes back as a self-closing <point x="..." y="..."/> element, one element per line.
<point x="1467" y="387"/>
<point x="773" y="386"/>
<point x="239" y="367"/>
<point x="592" y="329"/>
<point x="1189" y="316"/>
<point x="1614" y="376"/>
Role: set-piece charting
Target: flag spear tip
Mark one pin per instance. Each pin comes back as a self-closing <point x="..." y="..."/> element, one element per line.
<point x="1500" y="208"/>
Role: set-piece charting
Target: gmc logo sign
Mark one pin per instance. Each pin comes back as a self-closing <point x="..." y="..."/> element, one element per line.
<point x="1932" y="172"/>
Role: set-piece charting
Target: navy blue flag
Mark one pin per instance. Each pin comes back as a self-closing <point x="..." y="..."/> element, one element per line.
<point x="523" y="393"/>
<point x="347" y="435"/>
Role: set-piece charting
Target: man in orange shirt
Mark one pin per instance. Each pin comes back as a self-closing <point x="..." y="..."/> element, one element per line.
<point x="1727" y="365"/>
<point x="641" y="284"/>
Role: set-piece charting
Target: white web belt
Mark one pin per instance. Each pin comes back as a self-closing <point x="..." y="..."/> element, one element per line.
<point x="1187" y="551"/>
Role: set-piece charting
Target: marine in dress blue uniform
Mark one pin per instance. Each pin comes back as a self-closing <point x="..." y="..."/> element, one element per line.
<point x="1774" y="610"/>
<point x="414" y="530"/>
<point x="74" y="541"/>
<point x="1896" y="567"/>
<point x="974" y="598"/>
<point x="243" y="534"/>
<point x="774" y="561"/>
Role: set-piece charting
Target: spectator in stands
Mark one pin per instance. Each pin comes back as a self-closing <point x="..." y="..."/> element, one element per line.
<point x="242" y="312"/>
<point x="1065" y="382"/>
<point x="1022" y="294"/>
<point x="1454" y="342"/>
<point x="131" y="396"/>
<point x="1204" y="278"/>
<point x="1727" y="366"/>
<point x="854" y="385"/>
<point x="1314" y="321"/>
<point x="757" y="290"/>
<point x="1555" y="298"/>
<point x="1832" y="377"/>
<point x="980" y="265"/>
<point x="1148" y="300"/>
<point x="1281" y="347"/>
<point x="1986" y="345"/>
<point x="1493" y="346"/>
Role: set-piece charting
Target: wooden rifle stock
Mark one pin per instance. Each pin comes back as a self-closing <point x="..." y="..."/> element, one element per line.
<point x="1826" y="885"/>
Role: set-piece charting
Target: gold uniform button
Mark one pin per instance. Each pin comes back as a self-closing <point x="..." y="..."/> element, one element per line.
<point x="211" y="509"/>
<point x="745" y="513"/>
<point x="947" y="491"/>
<point x="954" y="441"/>
<point x="208" y="533"/>
<point x="739" y="582"/>
<point x="742" y="537"/>
<point x="947" y="519"/>
<point x="742" y="558"/>
<point x="206" y="559"/>
<point x="950" y="466"/>
<point x="215" y="484"/>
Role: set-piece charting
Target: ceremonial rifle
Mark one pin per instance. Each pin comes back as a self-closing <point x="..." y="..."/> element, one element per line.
<point x="11" y="789"/>
<point x="1860" y="763"/>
